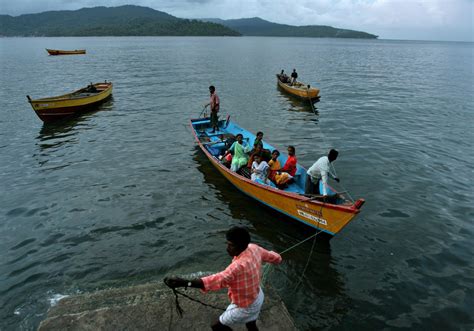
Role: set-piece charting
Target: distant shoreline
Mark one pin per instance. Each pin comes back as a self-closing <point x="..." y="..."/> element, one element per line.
<point x="137" y="21"/>
<point x="316" y="38"/>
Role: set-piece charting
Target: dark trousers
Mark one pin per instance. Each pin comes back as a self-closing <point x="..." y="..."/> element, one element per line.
<point x="310" y="187"/>
<point x="214" y="119"/>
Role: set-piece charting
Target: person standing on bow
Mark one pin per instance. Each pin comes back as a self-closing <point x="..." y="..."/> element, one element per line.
<point x="214" y="102"/>
<point x="320" y="171"/>
<point x="242" y="278"/>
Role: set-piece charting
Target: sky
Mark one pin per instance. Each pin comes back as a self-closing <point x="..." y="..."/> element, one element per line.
<point x="450" y="20"/>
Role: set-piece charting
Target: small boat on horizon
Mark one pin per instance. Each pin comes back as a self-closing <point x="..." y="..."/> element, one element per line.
<point x="313" y="210"/>
<point x="83" y="100"/>
<point x="63" y="52"/>
<point x="298" y="89"/>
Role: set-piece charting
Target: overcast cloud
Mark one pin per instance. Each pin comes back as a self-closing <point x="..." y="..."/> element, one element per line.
<point x="390" y="19"/>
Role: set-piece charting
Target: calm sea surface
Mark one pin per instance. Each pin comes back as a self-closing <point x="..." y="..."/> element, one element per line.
<point x="123" y="196"/>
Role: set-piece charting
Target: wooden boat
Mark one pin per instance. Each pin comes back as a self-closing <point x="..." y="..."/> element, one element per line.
<point x="314" y="211"/>
<point x="83" y="100"/>
<point x="62" y="52"/>
<point x="299" y="90"/>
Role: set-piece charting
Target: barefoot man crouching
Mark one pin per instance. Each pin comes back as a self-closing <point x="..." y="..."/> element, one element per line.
<point x="242" y="278"/>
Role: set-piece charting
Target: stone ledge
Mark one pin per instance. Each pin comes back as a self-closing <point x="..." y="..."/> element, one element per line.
<point x="152" y="307"/>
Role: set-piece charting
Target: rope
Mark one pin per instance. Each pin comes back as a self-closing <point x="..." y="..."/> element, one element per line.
<point x="309" y="98"/>
<point x="203" y="109"/>
<point x="307" y="262"/>
<point x="296" y="245"/>
<point x="180" y="310"/>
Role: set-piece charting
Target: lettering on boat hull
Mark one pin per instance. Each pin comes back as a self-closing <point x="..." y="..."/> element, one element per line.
<point x="312" y="217"/>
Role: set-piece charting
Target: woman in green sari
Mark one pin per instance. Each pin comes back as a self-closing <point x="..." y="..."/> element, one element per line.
<point x="240" y="150"/>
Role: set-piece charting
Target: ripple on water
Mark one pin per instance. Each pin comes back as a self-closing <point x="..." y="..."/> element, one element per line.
<point x="129" y="196"/>
<point x="393" y="213"/>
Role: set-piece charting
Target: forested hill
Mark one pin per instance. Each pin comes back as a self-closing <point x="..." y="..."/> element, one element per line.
<point x="258" y="27"/>
<point x="108" y="21"/>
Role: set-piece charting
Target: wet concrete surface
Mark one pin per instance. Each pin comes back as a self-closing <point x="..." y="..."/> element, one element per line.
<point x="151" y="306"/>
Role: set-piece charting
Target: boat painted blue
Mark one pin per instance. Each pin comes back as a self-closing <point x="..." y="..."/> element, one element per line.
<point x="291" y="201"/>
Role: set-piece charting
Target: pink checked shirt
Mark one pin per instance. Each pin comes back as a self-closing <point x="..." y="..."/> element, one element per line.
<point x="242" y="276"/>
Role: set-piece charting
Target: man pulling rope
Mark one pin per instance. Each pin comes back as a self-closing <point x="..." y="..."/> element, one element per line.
<point x="242" y="278"/>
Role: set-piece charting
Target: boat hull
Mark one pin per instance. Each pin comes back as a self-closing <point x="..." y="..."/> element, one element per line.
<point x="302" y="92"/>
<point x="323" y="216"/>
<point x="62" y="52"/>
<point x="56" y="108"/>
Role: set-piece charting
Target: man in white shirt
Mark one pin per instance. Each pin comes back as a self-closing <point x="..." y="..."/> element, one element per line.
<point x="320" y="170"/>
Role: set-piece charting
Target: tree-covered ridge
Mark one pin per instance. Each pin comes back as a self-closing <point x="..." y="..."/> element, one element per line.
<point x="108" y="21"/>
<point x="258" y="27"/>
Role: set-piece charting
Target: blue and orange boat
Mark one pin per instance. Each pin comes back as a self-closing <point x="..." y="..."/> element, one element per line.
<point x="313" y="210"/>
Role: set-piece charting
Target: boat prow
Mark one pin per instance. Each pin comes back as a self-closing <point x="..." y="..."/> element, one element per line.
<point x="315" y="211"/>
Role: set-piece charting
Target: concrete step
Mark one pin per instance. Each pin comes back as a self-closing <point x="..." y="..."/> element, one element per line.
<point x="152" y="307"/>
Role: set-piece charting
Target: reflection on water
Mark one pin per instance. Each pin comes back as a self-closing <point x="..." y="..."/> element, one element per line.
<point x="63" y="133"/>
<point x="58" y="133"/>
<point x="109" y="196"/>
<point x="307" y="280"/>
<point x="297" y="104"/>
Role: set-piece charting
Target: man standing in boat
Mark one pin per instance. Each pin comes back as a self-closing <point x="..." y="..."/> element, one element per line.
<point x="320" y="171"/>
<point x="242" y="278"/>
<point x="294" y="76"/>
<point x="214" y="102"/>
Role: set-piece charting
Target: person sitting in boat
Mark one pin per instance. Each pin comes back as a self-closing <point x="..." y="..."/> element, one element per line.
<point x="319" y="172"/>
<point x="283" y="77"/>
<point x="226" y="159"/>
<point x="294" y="76"/>
<point x="285" y="175"/>
<point x="258" y="140"/>
<point x="264" y="154"/>
<point x="240" y="150"/>
<point x="259" y="170"/>
<point x="91" y="88"/>
<point x="274" y="165"/>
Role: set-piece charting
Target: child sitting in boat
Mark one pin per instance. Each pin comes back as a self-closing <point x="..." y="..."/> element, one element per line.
<point x="258" y="150"/>
<point x="274" y="165"/>
<point x="258" y="140"/>
<point x="259" y="169"/>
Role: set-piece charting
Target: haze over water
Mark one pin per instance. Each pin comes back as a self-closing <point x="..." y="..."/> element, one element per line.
<point x="124" y="196"/>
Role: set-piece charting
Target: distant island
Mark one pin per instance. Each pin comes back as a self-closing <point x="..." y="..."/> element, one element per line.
<point x="125" y="20"/>
<point x="258" y="27"/>
<point x="132" y="20"/>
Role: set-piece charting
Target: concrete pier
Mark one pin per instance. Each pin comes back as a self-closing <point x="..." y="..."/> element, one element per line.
<point x="152" y="307"/>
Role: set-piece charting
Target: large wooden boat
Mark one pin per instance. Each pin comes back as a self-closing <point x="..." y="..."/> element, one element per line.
<point x="83" y="100"/>
<point x="62" y="52"/>
<point x="314" y="210"/>
<point x="298" y="89"/>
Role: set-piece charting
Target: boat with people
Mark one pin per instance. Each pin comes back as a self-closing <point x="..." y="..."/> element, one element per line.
<point x="63" y="52"/>
<point x="83" y="100"/>
<point x="329" y="214"/>
<point x="298" y="89"/>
